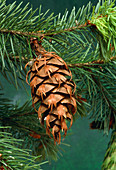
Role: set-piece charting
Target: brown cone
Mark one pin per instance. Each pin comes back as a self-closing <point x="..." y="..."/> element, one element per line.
<point x="51" y="85"/>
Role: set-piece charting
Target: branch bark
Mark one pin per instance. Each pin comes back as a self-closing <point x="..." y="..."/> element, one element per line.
<point x="90" y="64"/>
<point x="40" y="34"/>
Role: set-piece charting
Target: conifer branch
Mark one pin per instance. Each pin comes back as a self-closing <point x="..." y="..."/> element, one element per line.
<point x="66" y="30"/>
<point x="109" y="161"/>
<point x="40" y="34"/>
<point x="12" y="157"/>
<point x="26" y="34"/>
<point x="91" y="64"/>
<point x="24" y="123"/>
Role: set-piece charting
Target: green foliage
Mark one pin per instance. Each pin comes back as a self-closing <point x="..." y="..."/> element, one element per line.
<point x="11" y="156"/>
<point x="98" y="86"/>
<point x="104" y="17"/>
<point x="25" y="125"/>
<point x="15" y="25"/>
<point x="67" y="35"/>
<point x="15" y="34"/>
<point x="109" y="162"/>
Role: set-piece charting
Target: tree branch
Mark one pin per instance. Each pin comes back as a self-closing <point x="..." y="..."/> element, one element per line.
<point x="32" y="34"/>
<point x="90" y="64"/>
<point x="66" y="30"/>
<point x="40" y="34"/>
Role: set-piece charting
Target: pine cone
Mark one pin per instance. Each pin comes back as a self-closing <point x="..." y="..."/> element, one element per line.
<point x="51" y="85"/>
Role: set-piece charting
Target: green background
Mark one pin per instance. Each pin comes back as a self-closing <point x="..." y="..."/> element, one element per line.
<point x="87" y="147"/>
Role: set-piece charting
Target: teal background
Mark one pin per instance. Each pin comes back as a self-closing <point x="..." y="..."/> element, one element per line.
<point x="56" y="6"/>
<point x="87" y="147"/>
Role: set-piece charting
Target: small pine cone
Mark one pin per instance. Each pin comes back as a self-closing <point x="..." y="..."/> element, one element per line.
<point x="51" y="85"/>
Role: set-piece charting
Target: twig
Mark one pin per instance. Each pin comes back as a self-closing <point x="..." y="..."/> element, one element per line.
<point x="66" y="30"/>
<point x="90" y="64"/>
<point x="39" y="33"/>
<point x="32" y="34"/>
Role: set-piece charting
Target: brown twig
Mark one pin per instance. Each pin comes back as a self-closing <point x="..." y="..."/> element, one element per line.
<point x="66" y="30"/>
<point x="90" y="64"/>
<point x="39" y="33"/>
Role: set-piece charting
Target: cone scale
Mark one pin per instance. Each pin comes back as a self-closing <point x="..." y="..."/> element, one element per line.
<point x="51" y="86"/>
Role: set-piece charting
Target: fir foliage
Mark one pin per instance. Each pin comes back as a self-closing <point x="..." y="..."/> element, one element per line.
<point x="86" y="40"/>
<point x="11" y="156"/>
<point x="110" y="156"/>
<point x="33" y="134"/>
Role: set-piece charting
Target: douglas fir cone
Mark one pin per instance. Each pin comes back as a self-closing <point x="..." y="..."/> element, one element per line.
<point x="51" y="86"/>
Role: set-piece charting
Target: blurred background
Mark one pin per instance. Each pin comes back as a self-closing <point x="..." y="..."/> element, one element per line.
<point x="86" y="147"/>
